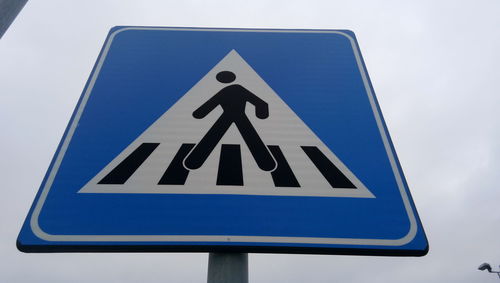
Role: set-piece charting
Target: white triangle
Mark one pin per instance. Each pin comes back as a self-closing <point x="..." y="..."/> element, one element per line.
<point x="177" y="126"/>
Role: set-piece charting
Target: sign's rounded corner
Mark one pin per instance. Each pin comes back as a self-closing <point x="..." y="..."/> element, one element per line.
<point x="21" y="246"/>
<point x="348" y="32"/>
<point x="349" y="35"/>
<point x="114" y="31"/>
<point x="418" y="252"/>
<point x="425" y="251"/>
<point x="27" y="240"/>
<point x="115" y="28"/>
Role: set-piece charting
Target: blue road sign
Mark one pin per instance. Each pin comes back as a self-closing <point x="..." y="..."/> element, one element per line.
<point x="244" y="140"/>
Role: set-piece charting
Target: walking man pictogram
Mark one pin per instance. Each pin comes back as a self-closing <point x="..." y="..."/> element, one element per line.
<point x="232" y="99"/>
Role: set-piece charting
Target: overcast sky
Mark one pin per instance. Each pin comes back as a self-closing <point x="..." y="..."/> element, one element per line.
<point x="434" y="68"/>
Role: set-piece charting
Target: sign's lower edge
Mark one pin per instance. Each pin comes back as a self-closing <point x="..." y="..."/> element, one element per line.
<point x="218" y="249"/>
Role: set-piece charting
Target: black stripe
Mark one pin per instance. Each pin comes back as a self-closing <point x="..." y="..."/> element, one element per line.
<point x="332" y="174"/>
<point x="129" y="165"/>
<point x="230" y="167"/>
<point x="283" y="175"/>
<point x="176" y="174"/>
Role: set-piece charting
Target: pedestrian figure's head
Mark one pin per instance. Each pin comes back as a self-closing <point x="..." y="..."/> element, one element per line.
<point x="226" y="77"/>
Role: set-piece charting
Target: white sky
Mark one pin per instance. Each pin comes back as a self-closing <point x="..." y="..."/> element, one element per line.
<point x="434" y="69"/>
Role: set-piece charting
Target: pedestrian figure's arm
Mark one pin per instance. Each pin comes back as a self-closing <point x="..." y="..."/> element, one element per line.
<point x="261" y="107"/>
<point x="206" y="107"/>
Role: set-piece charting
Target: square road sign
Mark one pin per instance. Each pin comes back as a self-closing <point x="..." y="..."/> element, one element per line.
<point x="243" y="140"/>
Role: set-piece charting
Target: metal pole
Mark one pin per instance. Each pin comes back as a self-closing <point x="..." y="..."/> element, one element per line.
<point x="227" y="268"/>
<point x="8" y="12"/>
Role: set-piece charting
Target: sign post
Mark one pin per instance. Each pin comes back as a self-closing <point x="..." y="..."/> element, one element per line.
<point x="226" y="141"/>
<point x="227" y="268"/>
<point x="9" y="9"/>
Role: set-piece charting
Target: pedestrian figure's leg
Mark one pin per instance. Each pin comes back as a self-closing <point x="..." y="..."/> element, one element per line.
<point x="207" y="144"/>
<point x="260" y="152"/>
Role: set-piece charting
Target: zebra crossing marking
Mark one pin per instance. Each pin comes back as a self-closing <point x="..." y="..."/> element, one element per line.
<point x="230" y="169"/>
<point x="121" y="173"/>
<point x="203" y="146"/>
<point x="176" y="174"/>
<point x="283" y="176"/>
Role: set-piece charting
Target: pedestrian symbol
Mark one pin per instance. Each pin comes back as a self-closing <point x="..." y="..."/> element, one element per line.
<point x="230" y="134"/>
<point x="232" y="100"/>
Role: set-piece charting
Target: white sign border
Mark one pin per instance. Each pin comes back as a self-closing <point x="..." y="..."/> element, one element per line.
<point x="37" y="230"/>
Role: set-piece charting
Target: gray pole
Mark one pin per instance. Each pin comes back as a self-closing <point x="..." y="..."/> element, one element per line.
<point x="8" y="12"/>
<point x="227" y="268"/>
